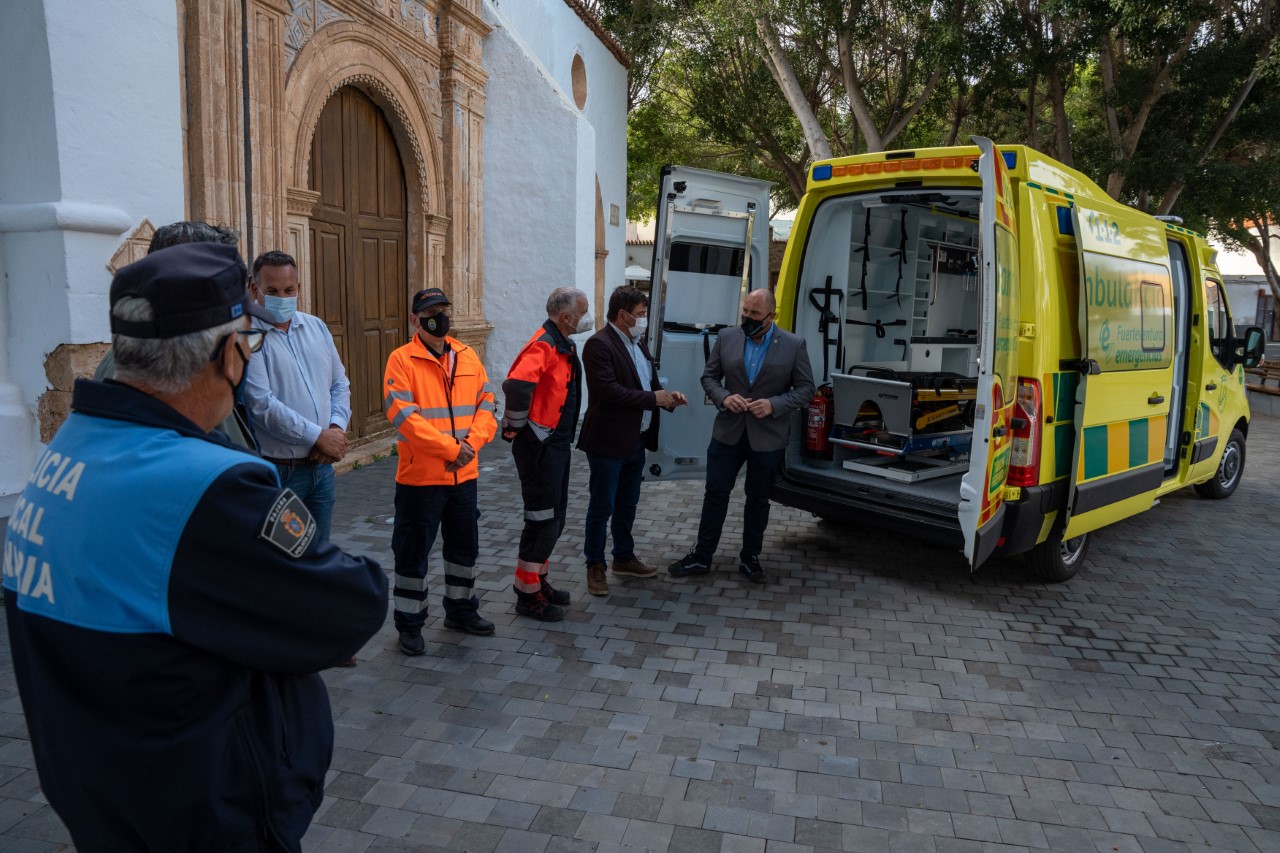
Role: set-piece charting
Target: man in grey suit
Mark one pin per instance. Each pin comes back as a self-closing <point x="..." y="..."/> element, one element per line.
<point x="757" y="376"/>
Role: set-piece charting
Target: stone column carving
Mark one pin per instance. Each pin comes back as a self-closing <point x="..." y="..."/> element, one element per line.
<point x="215" y="113"/>
<point x="300" y="203"/>
<point x="462" y="82"/>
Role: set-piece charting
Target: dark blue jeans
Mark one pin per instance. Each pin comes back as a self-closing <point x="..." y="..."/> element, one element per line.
<point x="421" y="511"/>
<point x="615" y="491"/>
<point x="724" y="461"/>
<point x="316" y="485"/>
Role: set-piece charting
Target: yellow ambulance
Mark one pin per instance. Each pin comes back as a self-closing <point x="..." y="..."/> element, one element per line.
<point x="1008" y="359"/>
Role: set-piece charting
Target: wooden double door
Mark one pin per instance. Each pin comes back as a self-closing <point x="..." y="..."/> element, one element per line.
<point x="358" y="246"/>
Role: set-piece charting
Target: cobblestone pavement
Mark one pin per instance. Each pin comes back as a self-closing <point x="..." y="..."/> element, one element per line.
<point x="874" y="696"/>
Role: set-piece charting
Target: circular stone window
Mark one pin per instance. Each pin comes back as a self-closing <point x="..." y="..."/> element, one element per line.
<point x="579" y="81"/>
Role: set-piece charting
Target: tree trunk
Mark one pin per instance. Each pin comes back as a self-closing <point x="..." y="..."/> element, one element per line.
<point x="1061" y="126"/>
<point x="1175" y="188"/>
<point x="785" y="76"/>
<point x="1259" y="246"/>
<point x="857" y="99"/>
<point x="1133" y="133"/>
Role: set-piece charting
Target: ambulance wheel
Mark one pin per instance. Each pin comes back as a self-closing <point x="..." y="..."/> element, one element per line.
<point x="1229" y="472"/>
<point x="1056" y="560"/>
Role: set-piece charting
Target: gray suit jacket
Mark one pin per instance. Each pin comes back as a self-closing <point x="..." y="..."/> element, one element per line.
<point x="785" y="378"/>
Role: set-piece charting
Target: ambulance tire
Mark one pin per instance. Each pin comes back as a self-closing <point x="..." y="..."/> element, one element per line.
<point x="1229" y="472"/>
<point x="1055" y="561"/>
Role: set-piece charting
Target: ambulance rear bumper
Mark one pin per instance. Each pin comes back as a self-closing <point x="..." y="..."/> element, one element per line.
<point x="1024" y="518"/>
<point x="934" y="527"/>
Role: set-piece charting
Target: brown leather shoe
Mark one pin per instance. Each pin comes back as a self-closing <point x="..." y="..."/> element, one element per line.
<point x="633" y="568"/>
<point x="597" y="580"/>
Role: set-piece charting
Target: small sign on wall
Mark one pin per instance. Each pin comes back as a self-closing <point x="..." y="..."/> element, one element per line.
<point x="615" y="214"/>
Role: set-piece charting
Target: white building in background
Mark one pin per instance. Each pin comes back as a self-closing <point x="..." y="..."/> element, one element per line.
<point x="555" y="182"/>
<point x="1248" y="295"/>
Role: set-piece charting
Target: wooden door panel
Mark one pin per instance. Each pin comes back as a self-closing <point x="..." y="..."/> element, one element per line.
<point x="392" y="200"/>
<point x="367" y="122"/>
<point x="375" y="361"/>
<point x="327" y="164"/>
<point x="358" y="246"/>
<point x="391" y="252"/>
<point x="367" y="280"/>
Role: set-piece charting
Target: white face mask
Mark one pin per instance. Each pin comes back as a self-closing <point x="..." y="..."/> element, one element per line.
<point x="637" y="331"/>
<point x="585" y="324"/>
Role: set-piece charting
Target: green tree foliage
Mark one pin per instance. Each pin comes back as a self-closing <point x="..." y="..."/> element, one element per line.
<point x="1162" y="103"/>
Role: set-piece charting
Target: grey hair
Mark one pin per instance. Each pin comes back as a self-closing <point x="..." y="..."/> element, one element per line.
<point x="168" y="365"/>
<point x="562" y="299"/>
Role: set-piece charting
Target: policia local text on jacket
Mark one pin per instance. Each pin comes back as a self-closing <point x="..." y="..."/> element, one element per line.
<point x="435" y="403"/>
<point x="168" y="614"/>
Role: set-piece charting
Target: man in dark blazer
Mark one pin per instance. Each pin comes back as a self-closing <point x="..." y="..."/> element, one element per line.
<point x="757" y="376"/>
<point x="623" y="396"/>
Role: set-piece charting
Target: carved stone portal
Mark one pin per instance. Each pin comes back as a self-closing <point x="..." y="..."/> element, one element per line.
<point x="418" y="60"/>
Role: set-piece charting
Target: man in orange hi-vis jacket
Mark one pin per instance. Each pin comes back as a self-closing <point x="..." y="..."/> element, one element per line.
<point x="543" y="391"/>
<point x="439" y="400"/>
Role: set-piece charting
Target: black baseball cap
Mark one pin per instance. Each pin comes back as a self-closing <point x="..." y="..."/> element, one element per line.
<point x="191" y="287"/>
<point x="424" y="299"/>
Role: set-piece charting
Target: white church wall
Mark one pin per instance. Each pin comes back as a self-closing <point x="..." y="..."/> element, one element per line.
<point x="553" y="33"/>
<point x="98" y="147"/>
<point x="539" y="190"/>
<point x="95" y="147"/>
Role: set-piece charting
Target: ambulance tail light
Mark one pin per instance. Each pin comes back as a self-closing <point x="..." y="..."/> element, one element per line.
<point x="1024" y="462"/>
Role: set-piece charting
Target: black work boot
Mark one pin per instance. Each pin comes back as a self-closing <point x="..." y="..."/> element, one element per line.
<point x="536" y="606"/>
<point x="470" y="622"/>
<point x="412" y="644"/>
<point x="555" y="596"/>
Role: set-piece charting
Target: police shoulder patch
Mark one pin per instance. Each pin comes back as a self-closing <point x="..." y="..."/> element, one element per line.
<point x="289" y="525"/>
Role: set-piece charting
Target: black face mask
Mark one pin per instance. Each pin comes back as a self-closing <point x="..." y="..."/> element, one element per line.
<point x="238" y="386"/>
<point x="752" y="327"/>
<point x="437" y="326"/>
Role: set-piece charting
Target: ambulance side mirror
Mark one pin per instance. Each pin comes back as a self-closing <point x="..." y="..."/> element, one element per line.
<point x="1251" y="351"/>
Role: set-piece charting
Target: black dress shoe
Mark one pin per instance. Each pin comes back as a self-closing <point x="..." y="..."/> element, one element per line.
<point x="750" y="566"/>
<point x="472" y="625"/>
<point x="689" y="564"/>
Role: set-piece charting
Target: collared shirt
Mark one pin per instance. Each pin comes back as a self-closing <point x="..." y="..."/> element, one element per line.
<point x="754" y="354"/>
<point x="295" y="387"/>
<point x="643" y="370"/>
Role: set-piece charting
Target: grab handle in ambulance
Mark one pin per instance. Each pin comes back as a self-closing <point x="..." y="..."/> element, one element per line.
<point x="1155" y="399"/>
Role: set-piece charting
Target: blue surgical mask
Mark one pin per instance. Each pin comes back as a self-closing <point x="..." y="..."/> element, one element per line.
<point x="283" y="307"/>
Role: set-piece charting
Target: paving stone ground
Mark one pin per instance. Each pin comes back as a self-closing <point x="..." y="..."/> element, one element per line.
<point x="873" y="697"/>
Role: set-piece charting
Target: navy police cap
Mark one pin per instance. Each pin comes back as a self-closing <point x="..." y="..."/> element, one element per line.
<point x="191" y="287"/>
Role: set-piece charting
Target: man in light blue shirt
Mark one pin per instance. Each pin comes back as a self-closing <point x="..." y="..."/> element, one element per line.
<point x="297" y="391"/>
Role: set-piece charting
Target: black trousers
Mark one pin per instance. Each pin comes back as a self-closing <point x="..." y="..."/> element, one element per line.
<point x="421" y="512"/>
<point x="543" y="467"/>
<point x="724" y="461"/>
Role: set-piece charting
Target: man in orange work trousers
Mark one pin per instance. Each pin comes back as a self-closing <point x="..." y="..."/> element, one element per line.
<point x="439" y="400"/>
<point x="543" y="391"/>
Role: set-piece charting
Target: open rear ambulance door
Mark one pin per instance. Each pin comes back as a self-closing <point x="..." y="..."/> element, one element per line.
<point x="982" y="487"/>
<point x="711" y="246"/>
<point x="1126" y="367"/>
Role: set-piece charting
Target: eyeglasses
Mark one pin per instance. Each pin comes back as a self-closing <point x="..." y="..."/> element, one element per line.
<point x="253" y="339"/>
<point x="428" y="313"/>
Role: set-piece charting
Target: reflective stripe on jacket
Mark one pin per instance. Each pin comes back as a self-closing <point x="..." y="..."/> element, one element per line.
<point x="434" y="405"/>
<point x="538" y="381"/>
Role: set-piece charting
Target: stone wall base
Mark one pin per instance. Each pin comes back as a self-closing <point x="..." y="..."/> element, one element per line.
<point x="64" y="366"/>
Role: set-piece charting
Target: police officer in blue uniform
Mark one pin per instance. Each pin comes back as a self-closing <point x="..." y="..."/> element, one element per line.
<point x="168" y="605"/>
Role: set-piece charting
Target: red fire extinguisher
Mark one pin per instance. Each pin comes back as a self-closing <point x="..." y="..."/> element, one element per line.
<point x="817" y="436"/>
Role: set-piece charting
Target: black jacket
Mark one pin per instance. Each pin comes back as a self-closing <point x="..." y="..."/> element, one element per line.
<point x="168" y="613"/>
<point x="616" y="401"/>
